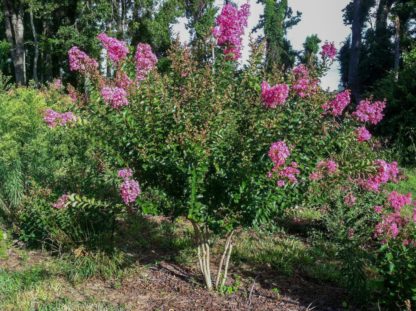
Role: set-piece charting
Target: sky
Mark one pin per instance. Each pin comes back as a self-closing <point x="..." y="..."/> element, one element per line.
<point x="321" y="17"/>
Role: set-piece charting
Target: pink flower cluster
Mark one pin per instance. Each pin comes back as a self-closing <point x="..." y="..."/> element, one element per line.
<point x="350" y="199"/>
<point x="80" y="61"/>
<point x="125" y="173"/>
<point x="116" y="97"/>
<point x="370" y="112"/>
<point x="289" y="172"/>
<point x="274" y="96"/>
<point x="230" y="29"/>
<point x="145" y="60"/>
<point x="129" y="188"/>
<point x="397" y="201"/>
<point x="278" y="153"/>
<point x="390" y="225"/>
<point x="385" y="172"/>
<point x="61" y="202"/>
<point x="53" y="118"/>
<point x="362" y="134"/>
<point x="324" y="168"/>
<point x="392" y="222"/>
<point x="328" y="50"/>
<point x="336" y="106"/>
<point x="116" y="49"/>
<point x="303" y="85"/>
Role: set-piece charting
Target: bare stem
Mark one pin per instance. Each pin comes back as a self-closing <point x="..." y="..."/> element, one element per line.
<point x="203" y="253"/>
<point x="224" y="278"/>
<point x="224" y="254"/>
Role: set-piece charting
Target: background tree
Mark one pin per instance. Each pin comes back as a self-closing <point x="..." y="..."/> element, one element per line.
<point x="200" y="15"/>
<point x="14" y="30"/>
<point x="278" y="17"/>
<point x="310" y="50"/>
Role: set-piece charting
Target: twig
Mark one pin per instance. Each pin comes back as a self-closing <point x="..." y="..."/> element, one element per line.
<point x="251" y="291"/>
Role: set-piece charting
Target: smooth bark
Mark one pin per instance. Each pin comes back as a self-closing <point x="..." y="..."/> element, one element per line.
<point x="13" y="12"/>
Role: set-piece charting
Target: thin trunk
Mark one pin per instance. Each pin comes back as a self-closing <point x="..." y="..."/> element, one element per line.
<point x="353" y="78"/>
<point x="14" y="33"/>
<point x="397" y="49"/>
<point x="227" y="262"/>
<point x="36" y="43"/>
<point x="383" y="10"/>
<point x="202" y="240"/>
<point x="224" y="257"/>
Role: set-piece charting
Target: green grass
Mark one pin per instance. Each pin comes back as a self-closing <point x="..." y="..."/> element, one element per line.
<point x="3" y="245"/>
<point x="408" y="184"/>
<point x="66" y="304"/>
<point x="48" y="285"/>
<point x="285" y="254"/>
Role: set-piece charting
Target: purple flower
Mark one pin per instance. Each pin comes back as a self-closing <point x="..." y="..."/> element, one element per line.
<point x="125" y="173"/>
<point x="274" y="96"/>
<point x="117" y="50"/>
<point x="80" y="61"/>
<point x="53" y="118"/>
<point x="328" y="50"/>
<point x="129" y="190"/>
<point x="114" y="96"/>
<point x="336" y="106"/>
<point x="370" y="112"/>
<point x="145" y="60"/>
<point x="362" y="134"/>
<point x="229" y="29"/>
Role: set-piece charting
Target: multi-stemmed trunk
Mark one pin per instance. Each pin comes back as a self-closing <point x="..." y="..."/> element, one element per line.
<point x="204" y="257"/>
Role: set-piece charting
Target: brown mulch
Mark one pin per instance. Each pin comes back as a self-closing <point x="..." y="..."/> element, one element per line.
<point x="169" y="287"/>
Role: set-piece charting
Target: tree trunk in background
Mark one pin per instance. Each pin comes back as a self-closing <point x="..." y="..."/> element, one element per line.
<point x="397" y="48"/>
<point x="14" y="33"/>
<point x="36" y="44"/>
<point x="382" y="14"/>
<point x="353" y="78"/>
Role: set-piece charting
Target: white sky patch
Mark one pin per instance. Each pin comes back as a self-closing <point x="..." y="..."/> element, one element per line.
<point x="321" y="17"/>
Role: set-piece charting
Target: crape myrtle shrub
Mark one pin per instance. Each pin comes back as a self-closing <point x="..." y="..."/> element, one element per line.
<point x="224" y="147"/>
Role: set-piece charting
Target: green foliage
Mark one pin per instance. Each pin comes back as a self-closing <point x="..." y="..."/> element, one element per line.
<point x="310" y="50"/>
<point x="277" y="19"/>
<point x="83" y="222"/>
<point x="24" y="146"/>
<point x="397" y="269"/>
<point x="398" y="125"/>
<point x="84" y="265"/>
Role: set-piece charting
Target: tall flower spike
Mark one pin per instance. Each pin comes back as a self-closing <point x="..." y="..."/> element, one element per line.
<point x="80" y="61"/>
<point x="229" y="29"/>
<point x="145" y="60"/>
<point x="116" y="49"/>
